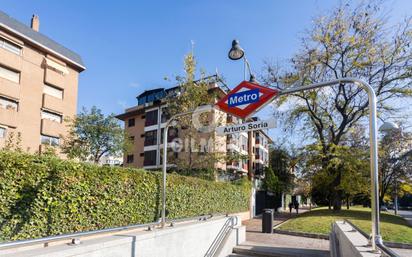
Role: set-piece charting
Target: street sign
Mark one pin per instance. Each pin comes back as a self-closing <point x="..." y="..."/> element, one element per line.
<point x="244" y="127"/>
<point x="246" y="99"/>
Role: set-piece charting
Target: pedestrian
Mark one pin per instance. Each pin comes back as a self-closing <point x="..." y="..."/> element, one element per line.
<point x="290" y="207"/>
<point x="297" y="207"/>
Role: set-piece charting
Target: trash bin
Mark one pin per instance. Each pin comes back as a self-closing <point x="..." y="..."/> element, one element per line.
<point x="267" y="221"/>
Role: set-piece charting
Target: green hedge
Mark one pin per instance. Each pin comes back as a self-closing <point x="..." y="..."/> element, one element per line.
<point x="42" y="196"/>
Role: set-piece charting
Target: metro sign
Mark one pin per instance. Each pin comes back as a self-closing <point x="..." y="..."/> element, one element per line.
<point x="246" y="99"/>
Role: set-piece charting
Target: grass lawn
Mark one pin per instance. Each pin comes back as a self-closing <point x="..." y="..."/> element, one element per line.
<point x="393" y="228"/>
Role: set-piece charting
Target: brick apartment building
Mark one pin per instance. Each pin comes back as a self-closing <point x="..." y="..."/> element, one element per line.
<point x="144" y="124"/>
<point x="38" y="84"/>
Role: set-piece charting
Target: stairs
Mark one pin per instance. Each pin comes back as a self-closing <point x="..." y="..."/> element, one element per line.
<point x="267" y="251"/>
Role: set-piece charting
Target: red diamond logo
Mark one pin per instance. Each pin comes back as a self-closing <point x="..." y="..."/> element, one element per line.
<point x="246" y="99"/>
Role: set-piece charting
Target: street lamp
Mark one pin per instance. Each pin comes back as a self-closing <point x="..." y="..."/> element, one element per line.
<point x="372" y="102"/>
<point x="390" y="127"/>
<point x="236" y="52"/>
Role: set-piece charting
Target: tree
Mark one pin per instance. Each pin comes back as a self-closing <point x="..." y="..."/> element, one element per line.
<point x="200" y="148"/>
<point x="349" y="42"/>
<point x="283" y="166"/>
<point x="271" y="181"/>
<point x="395" y="161"/>
<point x="354" y="176"/>
<point x="93" y="135"/>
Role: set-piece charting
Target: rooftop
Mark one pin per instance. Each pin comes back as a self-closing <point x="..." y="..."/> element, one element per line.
<point x="37" y="38"/>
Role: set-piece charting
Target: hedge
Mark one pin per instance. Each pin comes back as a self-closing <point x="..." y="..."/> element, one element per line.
<point x="43" y="196"/>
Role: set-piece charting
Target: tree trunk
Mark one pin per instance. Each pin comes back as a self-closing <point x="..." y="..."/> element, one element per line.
<point x="337" y="201"/>
<point x="347" y="202"/>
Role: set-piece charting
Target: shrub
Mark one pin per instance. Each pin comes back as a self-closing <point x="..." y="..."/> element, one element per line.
<point x="42" y="196"/>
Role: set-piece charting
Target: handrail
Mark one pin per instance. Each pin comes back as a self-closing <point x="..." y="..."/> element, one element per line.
<point x="217" y="242"/>
<point x="386" y="250"/>
<point x="96" y="232"/>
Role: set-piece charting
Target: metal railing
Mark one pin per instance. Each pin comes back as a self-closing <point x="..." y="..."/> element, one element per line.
<point x="76" y="236"/>
<point x="221" y="236"/>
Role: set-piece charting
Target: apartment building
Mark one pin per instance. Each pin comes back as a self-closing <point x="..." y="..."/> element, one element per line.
<point x="38" y="85"/>
<point x="145" y="123"/>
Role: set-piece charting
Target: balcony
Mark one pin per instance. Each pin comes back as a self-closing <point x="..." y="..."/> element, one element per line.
<point x="53" y="78"/>
<point x="53" y="103"/>
<point x="9" y="88"/>
<point x="8" y="117"/>
<point x="14" y="61"/>
<point x="52" y="128"/>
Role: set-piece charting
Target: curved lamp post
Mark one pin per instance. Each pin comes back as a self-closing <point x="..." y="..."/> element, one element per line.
<point x="376" y="237"/>
<point x="164" y="165"/>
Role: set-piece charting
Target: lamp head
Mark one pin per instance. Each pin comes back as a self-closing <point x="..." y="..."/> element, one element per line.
<point x="236" y="52"/>
<point x="388" y="126"/>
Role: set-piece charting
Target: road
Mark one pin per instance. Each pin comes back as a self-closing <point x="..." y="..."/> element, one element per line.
<point x="407" y="215"/>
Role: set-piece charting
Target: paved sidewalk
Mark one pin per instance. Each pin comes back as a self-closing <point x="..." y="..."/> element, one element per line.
<point x="279" y="242"/>
<point x="255" y="224"/>
<point x="254" y="237"/>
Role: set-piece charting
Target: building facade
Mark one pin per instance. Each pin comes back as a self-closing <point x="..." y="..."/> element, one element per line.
<point x="38" y="85"/>
<point x="145" y="123"/>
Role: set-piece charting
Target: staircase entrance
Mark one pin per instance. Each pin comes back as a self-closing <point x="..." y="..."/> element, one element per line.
<point x="261" y="244"/>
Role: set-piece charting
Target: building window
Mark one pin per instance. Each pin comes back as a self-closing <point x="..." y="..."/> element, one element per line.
<point x="51" y="116"/>
<point x="8" y="104"/>
<point x="57" y="67"/>
<point x="150" y="138"/>
<point x="48" y="140"/>
<point x="130" y="158"/>
<point x="9" y="46"/>
<point x="151" y="118"/>
<point x="172" y="133"/>
<point x="131" y="122"/>
<point x="165" y="115"/>
<point x="150" y="158"/>
<point x="53" y="91"/>
<point x="10" y="74"/>
<point x="2" y="132"/>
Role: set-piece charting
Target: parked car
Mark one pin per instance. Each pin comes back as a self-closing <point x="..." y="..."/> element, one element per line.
<point x="384" y="208"/>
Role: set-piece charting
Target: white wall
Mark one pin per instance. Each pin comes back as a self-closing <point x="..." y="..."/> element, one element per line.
<point x="184" y="240"/>
<point x="349" y="242"/>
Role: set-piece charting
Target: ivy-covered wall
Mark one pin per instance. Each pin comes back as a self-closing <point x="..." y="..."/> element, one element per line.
<point x="42" y="196"/>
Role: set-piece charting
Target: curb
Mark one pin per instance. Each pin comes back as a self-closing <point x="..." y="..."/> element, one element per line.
<point x="302" y="234"/>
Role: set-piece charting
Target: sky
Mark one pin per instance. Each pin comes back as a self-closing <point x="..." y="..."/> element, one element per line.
<point x="131" y="46"/>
